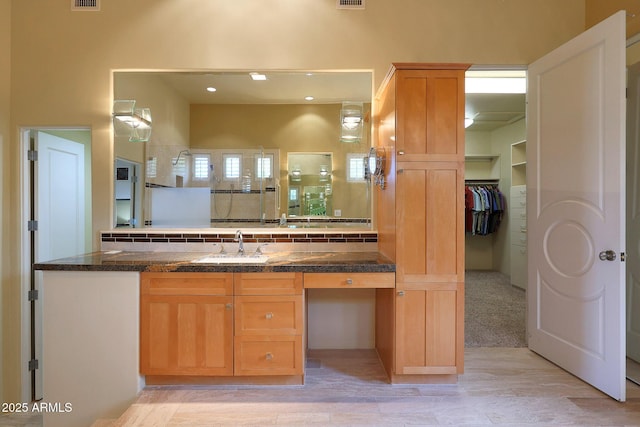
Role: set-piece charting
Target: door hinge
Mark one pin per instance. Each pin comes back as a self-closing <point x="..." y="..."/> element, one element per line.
<point x="32" y="225"/>
<point x="623" y="257"/>
<point x="32" y="155"/>
<point x="33" y="364"/>
<point x="32" y="295"/>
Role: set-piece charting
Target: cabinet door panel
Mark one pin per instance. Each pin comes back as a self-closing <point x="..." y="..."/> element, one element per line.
<point x="430" y="222"/>
<point x="186" y="335"/>
<point x="428" y="332"/>
<point x="430" y="105"/>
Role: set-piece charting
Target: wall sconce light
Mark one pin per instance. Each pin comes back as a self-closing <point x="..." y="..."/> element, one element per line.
<point x="324" y="173"/>
<point x="351" y="121"/>
<point x="374" y="166"/>
<point x="131" y="122"/>
<point x="296" y="174"/>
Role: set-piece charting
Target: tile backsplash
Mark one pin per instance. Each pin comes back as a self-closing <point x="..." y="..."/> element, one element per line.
<point x="212" y="241"/>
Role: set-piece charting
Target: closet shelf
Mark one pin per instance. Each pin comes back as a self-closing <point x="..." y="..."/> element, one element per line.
<point x="480" y="157"/>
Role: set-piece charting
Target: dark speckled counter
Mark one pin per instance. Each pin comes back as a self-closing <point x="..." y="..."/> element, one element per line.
<point x="323" y="262"/>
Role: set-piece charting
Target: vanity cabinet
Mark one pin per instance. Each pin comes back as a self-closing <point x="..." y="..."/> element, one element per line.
<point x="186" y="324"/>
<point x="221" y="324"/>
<point x="420" y="124"/>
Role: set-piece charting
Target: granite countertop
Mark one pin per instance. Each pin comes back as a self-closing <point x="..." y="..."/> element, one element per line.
<point x="324" y="262"/>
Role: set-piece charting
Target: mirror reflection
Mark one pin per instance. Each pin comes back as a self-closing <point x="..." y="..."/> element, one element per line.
<point x="264" y="155"/>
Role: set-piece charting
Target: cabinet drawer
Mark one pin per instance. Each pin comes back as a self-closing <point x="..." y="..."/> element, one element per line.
<point x="349" y="280"/>
<point x="267" y="283"/>
<point x="186" y="283"/>
<point x="518" y="225"/>
<point x="519" y="191"/>
<point x="519" y="266"/>
<point x="268" y="315"/>
<point x="519" y="239"/>
<point x="269" y="355"/>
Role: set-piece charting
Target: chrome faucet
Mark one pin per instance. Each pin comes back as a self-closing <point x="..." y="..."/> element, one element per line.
<point x="240" y="242"/>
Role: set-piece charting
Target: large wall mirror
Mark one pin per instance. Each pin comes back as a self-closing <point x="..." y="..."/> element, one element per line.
<point x="247" y="149"/>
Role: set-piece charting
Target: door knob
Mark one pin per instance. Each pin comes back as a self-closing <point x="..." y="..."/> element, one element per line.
<point x="607" y="255"/>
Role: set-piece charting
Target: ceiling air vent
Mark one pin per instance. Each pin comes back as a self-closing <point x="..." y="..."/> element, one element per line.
<point x="350" y="4"/>
<point x="85" y="5"/>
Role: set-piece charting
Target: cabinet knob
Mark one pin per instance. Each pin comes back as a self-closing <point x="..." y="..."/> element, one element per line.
<point x="228" y="306"/>
<point x="268" y="356"/>
<point x="400" y="152"/>
<point x="400" y="293"/>
<point x="269" y="316"/>
<point x="349" y="281"/>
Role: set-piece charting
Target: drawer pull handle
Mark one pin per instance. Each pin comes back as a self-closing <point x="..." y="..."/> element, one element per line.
<point x="269" y="316"/>
<point x="400" y="293"/>
<point x="400" y="152"/>
<point x="269" y="356"/>
<point x="349" y="281"/>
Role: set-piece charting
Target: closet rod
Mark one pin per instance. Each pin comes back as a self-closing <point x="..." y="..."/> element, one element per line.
<point x="482" y="181"/>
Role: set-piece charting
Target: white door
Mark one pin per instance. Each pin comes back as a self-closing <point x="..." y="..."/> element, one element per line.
<point x="60" y="197"/>
<point x="576" y="199"/>
<point x="633" y="213"/>
<point x="59" y="186"/>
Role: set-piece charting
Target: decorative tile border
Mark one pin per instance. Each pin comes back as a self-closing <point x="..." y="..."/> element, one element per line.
<point x="228" y="237"/>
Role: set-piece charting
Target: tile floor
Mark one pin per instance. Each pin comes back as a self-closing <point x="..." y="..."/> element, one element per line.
<point x="502" y="386"/>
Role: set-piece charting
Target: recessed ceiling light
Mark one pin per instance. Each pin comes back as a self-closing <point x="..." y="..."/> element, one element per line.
<point x="258" y="76"/>
<point x="211" y="89"/>
<point x="309" y="98"/>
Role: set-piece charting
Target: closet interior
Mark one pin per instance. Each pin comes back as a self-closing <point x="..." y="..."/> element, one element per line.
<point x="495" y="207"/>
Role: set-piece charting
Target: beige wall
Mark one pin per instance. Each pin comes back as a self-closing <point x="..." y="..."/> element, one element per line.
<point x="5" y="289"/>
<point x="597" y="10"/>
<point x="62" y="61"/>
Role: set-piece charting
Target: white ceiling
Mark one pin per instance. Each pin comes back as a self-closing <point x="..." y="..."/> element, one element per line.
<point x="489" y="111"/>
<point x="279" y="88"/>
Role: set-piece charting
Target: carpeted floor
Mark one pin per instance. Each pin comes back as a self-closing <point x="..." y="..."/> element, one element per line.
<point x="495" y="311"/>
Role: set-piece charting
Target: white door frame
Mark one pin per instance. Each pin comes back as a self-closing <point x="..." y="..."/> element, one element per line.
<point x="25" y="182"/>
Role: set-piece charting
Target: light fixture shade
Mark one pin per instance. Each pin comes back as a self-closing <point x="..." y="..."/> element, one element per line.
<point x="296" y="174"/>
<point x="351" y="122"/>
<point x="131" y="122"/>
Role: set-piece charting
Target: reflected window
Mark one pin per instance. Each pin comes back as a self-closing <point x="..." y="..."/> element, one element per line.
<point x="231" y="166"/>
<point x="355" y="167"/>
<point x="201" y="167"/>
<point x="152" y="167"/>
<point x="264" y="166"/>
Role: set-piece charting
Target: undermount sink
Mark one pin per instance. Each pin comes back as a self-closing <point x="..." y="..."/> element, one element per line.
<point x="232" y="259"/>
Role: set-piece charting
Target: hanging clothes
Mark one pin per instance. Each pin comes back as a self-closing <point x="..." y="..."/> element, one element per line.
<point x="484" y="209"/>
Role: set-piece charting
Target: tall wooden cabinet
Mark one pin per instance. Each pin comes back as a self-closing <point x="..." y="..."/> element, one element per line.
<point x="420" y="123"/>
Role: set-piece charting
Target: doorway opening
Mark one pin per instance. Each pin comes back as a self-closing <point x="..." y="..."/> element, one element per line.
<point x="55" y="168"/>
<point x="495" y="240"/>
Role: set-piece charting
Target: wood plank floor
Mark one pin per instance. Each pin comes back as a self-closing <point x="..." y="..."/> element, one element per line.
<point x="501" y="386"/>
